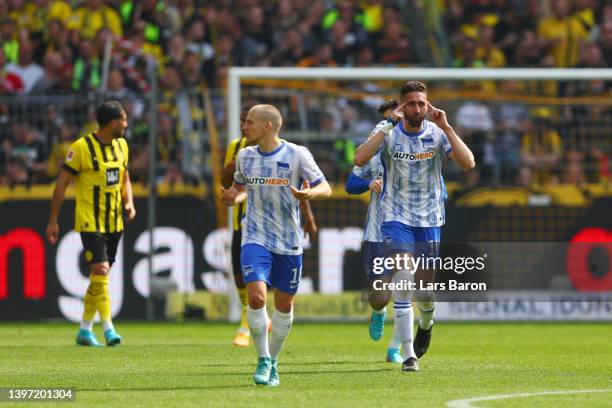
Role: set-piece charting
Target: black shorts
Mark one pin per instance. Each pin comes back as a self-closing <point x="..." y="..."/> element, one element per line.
<point x="100" y="247"/>
<point x="236" y="241"/>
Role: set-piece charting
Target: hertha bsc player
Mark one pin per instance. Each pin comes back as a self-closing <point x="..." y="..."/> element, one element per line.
<point x="275" y="175"/>
<point x="412" y="199"/>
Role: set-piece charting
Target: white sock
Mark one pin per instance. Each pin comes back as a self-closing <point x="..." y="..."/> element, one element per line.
<point x="381" y="311"/>
<point x="258" y="323"/>
<point x="404" y="316"/>
<point x="281" y="325"/>
<point x="107" y="324"/>
<point x="87" y="325"/>
<point x="395" y="342"/>
<point x="427" y="311"/>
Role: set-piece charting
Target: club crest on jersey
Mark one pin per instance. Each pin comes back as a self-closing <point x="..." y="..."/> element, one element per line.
<point x="427" y="142"/>
<point x="282" y="169"/>
<point x="413" y="156"/>
<point x="267" y="181"/>
<point x="69" y="155"/>
<point x="112" y="177"/>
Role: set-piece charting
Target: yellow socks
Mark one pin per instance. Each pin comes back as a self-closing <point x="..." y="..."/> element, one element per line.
<point x="244" y="299"/>
<point x="97" y="298"/>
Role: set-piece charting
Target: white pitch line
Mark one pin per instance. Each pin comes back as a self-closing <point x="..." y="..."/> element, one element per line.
<point x="467" y="403"/>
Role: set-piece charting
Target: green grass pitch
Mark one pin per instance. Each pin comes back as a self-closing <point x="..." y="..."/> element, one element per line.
<point x="195" y="365"/>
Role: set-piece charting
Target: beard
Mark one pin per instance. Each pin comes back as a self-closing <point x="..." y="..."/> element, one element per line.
<point x="416" y="120"/>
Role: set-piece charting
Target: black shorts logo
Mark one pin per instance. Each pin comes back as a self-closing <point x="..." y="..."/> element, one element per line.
<point x="112" y="177"/>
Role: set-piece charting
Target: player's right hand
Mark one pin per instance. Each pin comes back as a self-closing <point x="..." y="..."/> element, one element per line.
<point x="376" y="185"/>
<point x="52" y="232"/>
<point x="397" y="113"/>
<point x="228" y="197"/>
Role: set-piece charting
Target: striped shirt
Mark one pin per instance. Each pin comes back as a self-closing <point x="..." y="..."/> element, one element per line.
<point x="413" y="189"/>
<point x="272" y="215"/>
<point x="372" y="170"/>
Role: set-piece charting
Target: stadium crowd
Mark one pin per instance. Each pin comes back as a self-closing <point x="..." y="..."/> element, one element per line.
<point x="61" y="48"/>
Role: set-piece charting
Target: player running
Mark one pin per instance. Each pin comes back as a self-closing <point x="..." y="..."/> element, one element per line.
<point x="243" y="335"/>
<point x="275" y="175"/>
<point x="412" y="198"/>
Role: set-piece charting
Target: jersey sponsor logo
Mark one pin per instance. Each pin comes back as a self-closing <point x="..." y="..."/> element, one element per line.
<point x="69" y="155"/>
<point x="112" y="177"/>
<point x="267" y="181"/>
<point x="413" y="156"/>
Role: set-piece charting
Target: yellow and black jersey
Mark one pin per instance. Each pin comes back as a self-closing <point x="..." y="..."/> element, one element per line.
<point x="231" y="155"/>
<point x="100" y="170"/>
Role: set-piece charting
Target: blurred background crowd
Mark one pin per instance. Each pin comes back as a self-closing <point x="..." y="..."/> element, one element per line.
<point x="58" y="58"/>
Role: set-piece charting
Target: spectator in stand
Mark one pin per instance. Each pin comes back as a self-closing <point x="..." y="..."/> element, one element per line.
<point x="27" y="160"/>
<point x="541" y="146"/>
<point x="510" y="125"/>
<point x="562" y="34"/>
<point x="257" y="40"/>
<point x="487" y="52"/>
<point x="191" y="71"/>
<point x="393" y="47"/>
<point x="94" y="15"/>
<point x="290" y="51"/>
<point x="9" y="39"/>
<point x="52" y="64"/>
<point x="28" y="71"/>
<point x="55" y="39"/>
<point x="197" y="43"/>
<point x="605" y="40"/>
<point x="115" y="89"/>
<point x="87" y="73"/>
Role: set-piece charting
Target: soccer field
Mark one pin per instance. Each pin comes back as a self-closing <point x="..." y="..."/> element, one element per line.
<point x="194" y="364"/>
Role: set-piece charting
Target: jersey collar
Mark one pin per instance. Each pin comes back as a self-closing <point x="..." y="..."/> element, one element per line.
<point x="413" y="134"/>
<point x="273" y="152"/>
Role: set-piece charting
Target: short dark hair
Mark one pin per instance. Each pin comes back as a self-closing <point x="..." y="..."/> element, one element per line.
<point x="413" y="86"/>
<point x="108" y="111"/>
<point x="390" y="104"/>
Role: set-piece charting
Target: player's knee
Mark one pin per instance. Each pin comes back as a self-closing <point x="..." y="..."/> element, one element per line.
<point x="100" y="269"/>
<point x="284" y="306"/>
<point x="256" y="300"/>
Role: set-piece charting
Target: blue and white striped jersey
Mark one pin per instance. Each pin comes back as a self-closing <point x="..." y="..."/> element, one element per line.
<point x="413" y="188"/>
<point x="272" y="215"/>
<point x="372" y="170"/>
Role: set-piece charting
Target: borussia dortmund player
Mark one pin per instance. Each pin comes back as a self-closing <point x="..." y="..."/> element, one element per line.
<point x="97" y="163"/>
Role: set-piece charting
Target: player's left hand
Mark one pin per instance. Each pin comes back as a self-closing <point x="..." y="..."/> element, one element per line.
<point x="310" y="227"/>
<point x="304" y="193"/>
<point x="130" y="211"/>
<point x="438" y="116"/>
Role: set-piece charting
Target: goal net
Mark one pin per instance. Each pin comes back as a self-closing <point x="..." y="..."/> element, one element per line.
<point x="541" y="138"/>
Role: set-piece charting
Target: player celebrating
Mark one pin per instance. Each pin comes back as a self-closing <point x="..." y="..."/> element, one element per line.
<point x="98" y="162"/>
<point x="412" y="198"/>
<point x="243" y="335"/>
<point x="362" y="179"/>
<point x="271" y="252"/>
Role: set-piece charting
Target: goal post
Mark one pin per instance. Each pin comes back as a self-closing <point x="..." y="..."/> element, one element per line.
<point x="237" y="74"/>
